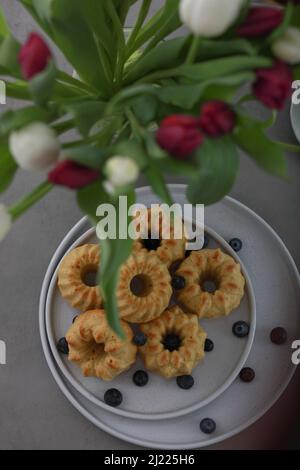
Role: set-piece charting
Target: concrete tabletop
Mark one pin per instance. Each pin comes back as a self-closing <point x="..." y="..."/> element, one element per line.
<point x="33" y="412"/>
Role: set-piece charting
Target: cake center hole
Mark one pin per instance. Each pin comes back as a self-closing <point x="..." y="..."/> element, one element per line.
<point x="97" y="349"/>
<point x="172" y="342"/>
<point x="141" y="285"/>
<point x="90" y="276"/>
<point x="210" y="286"/>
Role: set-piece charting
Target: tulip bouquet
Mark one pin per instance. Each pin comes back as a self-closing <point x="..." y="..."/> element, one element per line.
<point x="146" y="103"/>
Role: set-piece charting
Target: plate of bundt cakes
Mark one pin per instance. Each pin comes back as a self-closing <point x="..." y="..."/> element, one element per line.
<point x="204" y="368"/>
<point x="188" y="319"/>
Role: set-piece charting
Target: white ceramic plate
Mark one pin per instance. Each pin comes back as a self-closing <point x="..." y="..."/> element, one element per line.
<point x="276" y="285"/>
<point x="212" y="376"/>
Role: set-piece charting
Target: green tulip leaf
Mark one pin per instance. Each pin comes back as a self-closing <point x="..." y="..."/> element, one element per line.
<point x="42" y="85"/>
<point x="86" y="114"/>
<point x="250" y="136"/>
<point x="218" y="164"/>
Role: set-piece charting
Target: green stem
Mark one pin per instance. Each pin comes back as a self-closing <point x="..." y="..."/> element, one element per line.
<point x="111" y="9"/>
<point x="143" y="13"/>
<point x="106" y="65"/>
<point x="18" y="90"/>
<point x="66" y="78"/>
<point x="192" y="54"/>
<point x="65" y="126"/>
<point x="28" y="201"/>
<point x="137" y="130"/>
<point x="289" y="147"/>
<point x="124" y="9"/>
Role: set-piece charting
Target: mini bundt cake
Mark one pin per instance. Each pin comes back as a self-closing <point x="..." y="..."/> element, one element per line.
<point x="165" y="243"/>
<point x="213" y="284"/>
<point x="73" y="278"/>
<point x="175" y="343"/>
<point x="144" y="290"/>
<point x="97" y="349"/>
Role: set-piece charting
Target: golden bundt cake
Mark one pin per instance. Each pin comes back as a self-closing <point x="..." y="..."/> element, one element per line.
<point x="175" y="343"/>
<point x="73" y="278"/>
<point x="166" y="244"/>
<point x="144" y="290"/>
<point x="97" y="349"/>
<point x="222" y="272"/>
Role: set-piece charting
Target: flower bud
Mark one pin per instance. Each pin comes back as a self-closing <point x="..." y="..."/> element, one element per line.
<point x="179" y="135"/>
<point x="121" y="171"/>
<point x="34" y="147"/>
<point x="209" y="18"/>
<point x="72" y="175"/>
<point x="217" y="118"/>
<point x="260" y="21"/>
<point x="34" y="56"/>
<point x="273" y="86"/>
<point x="287" y="47"/>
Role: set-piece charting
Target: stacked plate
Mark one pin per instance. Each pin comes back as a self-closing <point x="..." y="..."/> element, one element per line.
<point x="161" y="415"/>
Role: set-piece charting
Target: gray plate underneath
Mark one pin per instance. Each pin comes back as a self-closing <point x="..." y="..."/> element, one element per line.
<point x="276" y="285"/>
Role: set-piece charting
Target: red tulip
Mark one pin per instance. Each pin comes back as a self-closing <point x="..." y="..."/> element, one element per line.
<point x="273" y="86"/>
<point x="34" y="56"/>
<point x="179" y="135"/>
<point x="217" y="118"/>
<point x="260" y="22"/>
<point x="72" y="175"/>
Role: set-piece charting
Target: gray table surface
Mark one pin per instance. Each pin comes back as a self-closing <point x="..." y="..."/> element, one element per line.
<point x="33" y="412"/>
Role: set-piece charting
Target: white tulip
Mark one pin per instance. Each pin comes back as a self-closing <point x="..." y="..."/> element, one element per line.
<point x="121" y="171"/>
<point x="287" y="47"/>
<point x="35" y="147"/>
<point x="209" y="18"/>
<point x="5" y="222"/>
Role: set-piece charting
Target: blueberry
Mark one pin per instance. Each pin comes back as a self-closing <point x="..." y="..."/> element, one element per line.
<point x="247" y="375"/>
<point x="178" y="282"/>
<point x="236" y="244"/>
<point x="113" y="397"/>
<point x="151" y="244"/>
<point x="208" y="426"/>
<point x="172" y="342"/>
<point x="63" y="346"/>
<point x="209" y="345"/>
<point x="278" y="335"/>
<point x="185" y="382"/>
<point x="206" y="242"/>
<point x="140" y="378"/>
<point x="140" y="339"/>
<point x="241" y="329"/>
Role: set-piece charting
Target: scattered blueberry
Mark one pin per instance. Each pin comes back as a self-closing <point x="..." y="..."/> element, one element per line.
<point x="236" y="244"/>
<point x="172" y="342"/>
<point x="113" y="397"/>
<point x="241" y="329"/>
<point x="278" y="335"/>
<point x="209" y="345"/>
<point x="74" y="319"/>
<point x="208" y="426"/>
<point x="63" y="346"/>
<point x="140" y="339"/>
<point x="185" y="382"/>
<point x="140" y="378"/>
<point x="151" y="244"/>
<point x="247" y="375"/>
<point x="206" y="242"/>
<point x="178" y="282"/>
